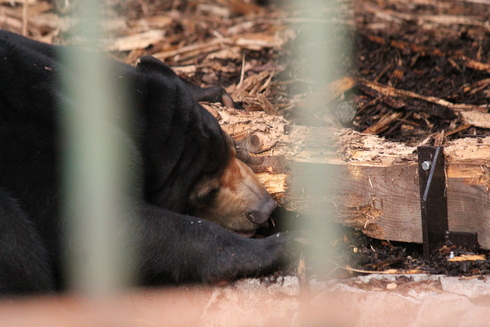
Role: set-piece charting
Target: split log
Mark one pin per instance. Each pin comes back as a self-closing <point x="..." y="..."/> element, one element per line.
<point x="376" y="181"/>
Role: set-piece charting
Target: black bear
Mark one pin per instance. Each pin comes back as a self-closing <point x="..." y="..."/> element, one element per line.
<point x="186" y="164"/>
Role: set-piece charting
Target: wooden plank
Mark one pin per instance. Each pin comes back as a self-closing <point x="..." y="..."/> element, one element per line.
<point x="361" y="180"/>
<point x="383" y="202"/>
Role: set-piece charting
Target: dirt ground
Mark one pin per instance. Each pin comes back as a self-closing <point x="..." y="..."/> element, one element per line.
<point x="419" y="68"/>
<point x="415" y="301"/>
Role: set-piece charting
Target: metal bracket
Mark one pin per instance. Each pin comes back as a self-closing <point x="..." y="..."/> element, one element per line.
<point x="433" y="203"/>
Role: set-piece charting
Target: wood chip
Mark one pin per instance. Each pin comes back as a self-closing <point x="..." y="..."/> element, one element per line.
<point x="383" y="123"/>
<point x="477" y="86"/>
<point x="193" y="49"/>
<point x="258" y="41"/>
<point x="466" y="257"/>
<point x="241" y="7"/>
<point x="391" y="91"/>
<point x="475" y="118"/>
<point x="154" y="22"/>
<point x="266" y="105"/>
<point x="137" y="41"/>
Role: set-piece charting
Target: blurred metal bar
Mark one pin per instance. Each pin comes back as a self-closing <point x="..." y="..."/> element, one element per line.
<point x="320" y="58"/>
<point x="95" y="168"/>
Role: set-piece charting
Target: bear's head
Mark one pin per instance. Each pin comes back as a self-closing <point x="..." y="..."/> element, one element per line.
<point x="190" y="164"/>
<point x="234" y="199"/>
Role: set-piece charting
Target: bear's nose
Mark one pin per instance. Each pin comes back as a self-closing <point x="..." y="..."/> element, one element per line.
<point x="262" y="214"/>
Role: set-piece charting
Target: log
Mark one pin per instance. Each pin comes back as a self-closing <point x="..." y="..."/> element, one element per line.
<point x="376" y="181"/>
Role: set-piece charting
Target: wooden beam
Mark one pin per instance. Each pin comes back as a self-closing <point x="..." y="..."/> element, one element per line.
<point x="375" y="181"/>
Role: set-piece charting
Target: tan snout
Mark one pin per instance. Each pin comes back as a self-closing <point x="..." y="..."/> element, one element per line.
<point x="241" y="203"/>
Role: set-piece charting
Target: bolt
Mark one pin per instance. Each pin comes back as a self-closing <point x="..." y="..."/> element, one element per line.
<point x="426" y="165"/>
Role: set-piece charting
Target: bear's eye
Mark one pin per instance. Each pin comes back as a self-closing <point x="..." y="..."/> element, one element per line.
<point x="209" y="196"/>
<point x="212" y="194"/>
<point x="214" y="191"/>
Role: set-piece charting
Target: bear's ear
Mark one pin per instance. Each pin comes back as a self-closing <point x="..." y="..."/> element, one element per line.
<point x="151" y="64"/>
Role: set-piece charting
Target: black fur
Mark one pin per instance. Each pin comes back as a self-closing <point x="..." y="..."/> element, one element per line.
<point x="175" y="144"/>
